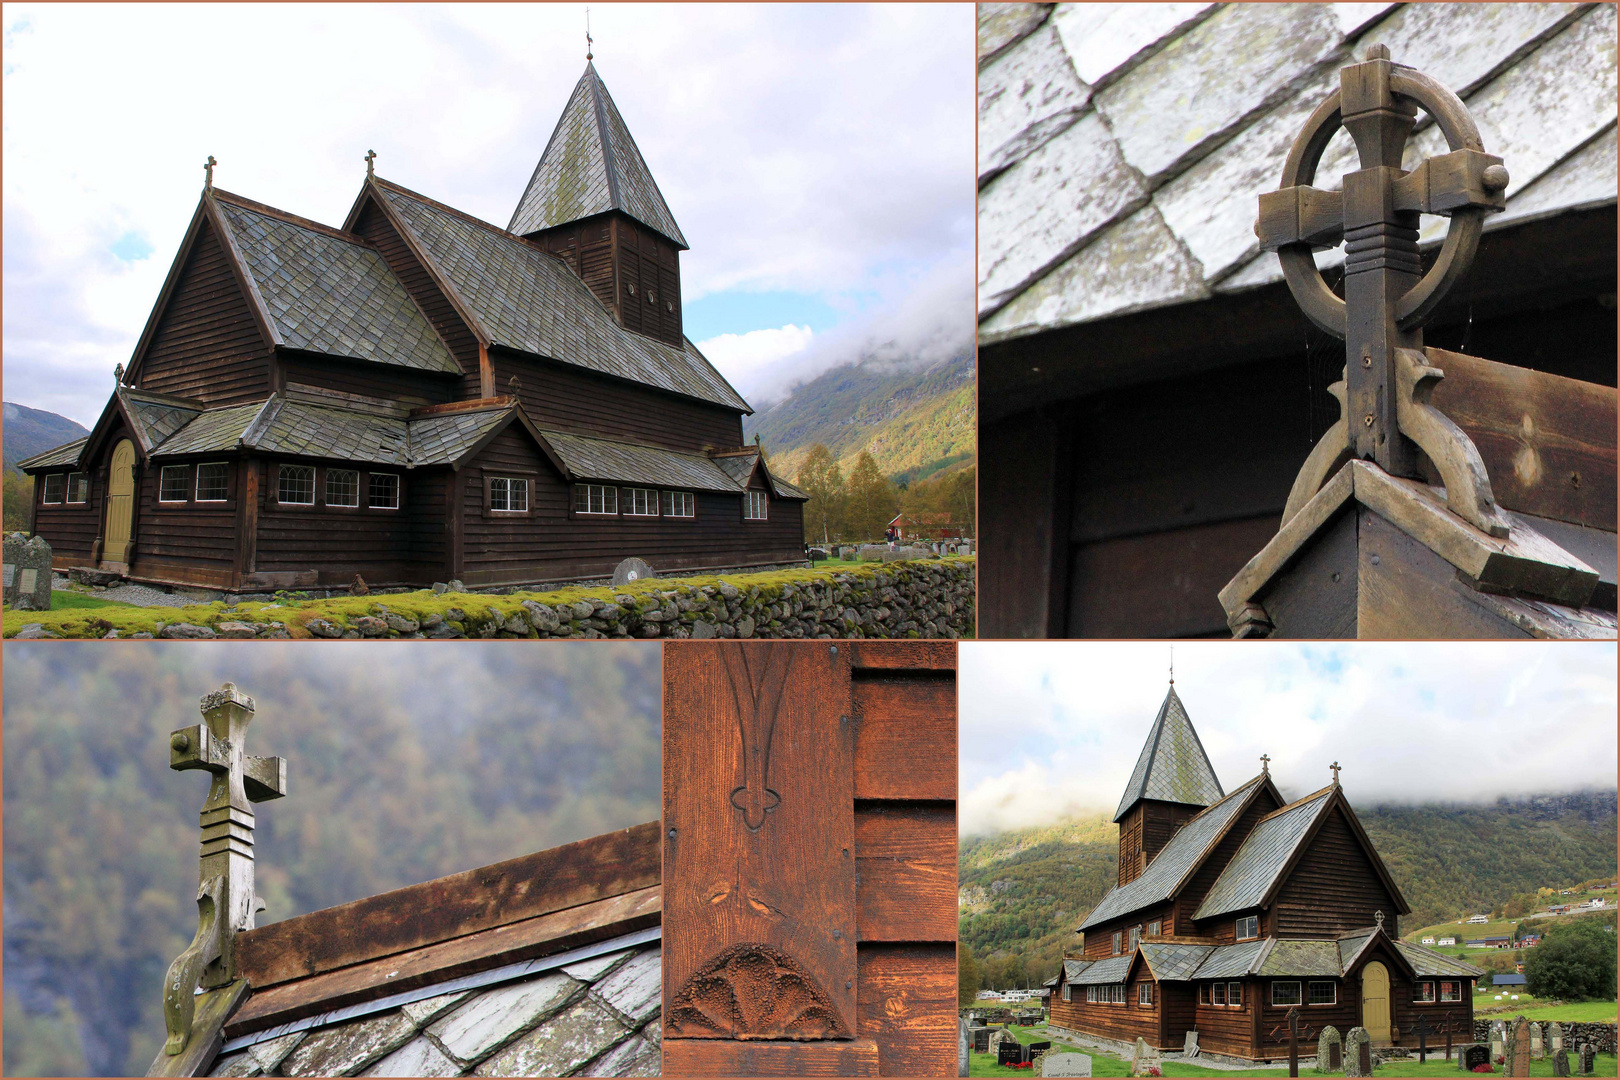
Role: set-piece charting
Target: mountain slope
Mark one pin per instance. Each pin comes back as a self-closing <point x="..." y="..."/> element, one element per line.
<point x="1023" y="892"/>
<point x="913" y="422"/>
<point x="32" y="431"/>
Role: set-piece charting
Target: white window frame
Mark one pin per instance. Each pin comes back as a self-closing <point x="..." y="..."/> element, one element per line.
<point x="679" y="504"/>
<point x="1333" y="992"/>
<point x="45" y="489"/>
<point x="1144" y="993"/>
<point x="1133" y="939"/>
<point x="1234" y="995"/>
<point x="326" y="488"/>
<point x="1252" y="922"/>
<point x="197" y="483"/>
<point x="1456" y="994"/>
<point x="1155" y="928"/>
<point x="1116" y="993"/>
<point x="282" y="475"/>
<point x="163" y="483"/>
<point x="1217" y="994"/>
<point x="1117" y="939"/>
<point x="1418" y="997"/>
<point x="599" y="496"/>
<point x="511" y="487"/>
<point x="84" y="488"/>
<point x="1298" y="992"/>
<point x="640" y="502"/>
<point x="756" y="506"/>
<point x="1066" y="991"/>
<point x="372" y="478"/>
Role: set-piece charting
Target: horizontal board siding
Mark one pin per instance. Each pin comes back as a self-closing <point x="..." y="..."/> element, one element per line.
<point x="402" y="385"/>
<point x="1099" y="940"/>
<point x="1126" y="1022"/>
<point x="905" y="735"/>
<point x="207" y="344"/>
<point x="1333" y="887"/>
<point x="905" y="862"/>
<point x="70" y="528"/>
<point x="648" y="261"/>
<point x="556" y="395"/>
<point x="373" y="225"/>
<point x="336" y="542"/>
<point x="1204" y="879"/>
<point x="905" y="1001"/>
<point x="1227" y="1030"/>
<point x="552" y="543"/>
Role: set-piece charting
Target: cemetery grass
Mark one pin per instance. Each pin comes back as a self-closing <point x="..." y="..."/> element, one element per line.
<point x="67" y="600"/>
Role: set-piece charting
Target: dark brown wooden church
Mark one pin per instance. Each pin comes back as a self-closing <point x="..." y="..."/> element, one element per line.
<point x="420" y="395"/>
<point x="1234" y="907"/>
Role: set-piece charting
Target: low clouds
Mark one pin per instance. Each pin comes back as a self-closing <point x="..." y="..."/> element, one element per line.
<point x="823" y="150"/>
<point x="1048" y="728"/>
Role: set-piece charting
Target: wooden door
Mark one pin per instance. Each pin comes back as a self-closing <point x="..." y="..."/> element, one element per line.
<point x="120" y="504"/>
<point x="809" y="859"/>
<point x="1375" y="1001"/>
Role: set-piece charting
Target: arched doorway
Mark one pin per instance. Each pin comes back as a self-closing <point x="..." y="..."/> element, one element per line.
<point x="1375" y="1001"/>
<point x="120" y="504"/>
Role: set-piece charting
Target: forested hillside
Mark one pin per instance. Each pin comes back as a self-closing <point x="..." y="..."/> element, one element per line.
<point x="1023" y="892"/>
<point x="403" y="765"/>
<point x="33" y="431"/>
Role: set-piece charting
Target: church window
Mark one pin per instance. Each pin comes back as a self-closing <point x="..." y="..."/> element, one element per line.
<point x="595" y="499"/>
<point x="1451" y="991"/>
<point x="1091" y="994"/>
<point x="172" y="484"/>
<point x="1248" y="927"/>
<point x="1154" y="928"/>
<point x="1285" y="993"/>
<point x="342" y="487"/>
<point x="78" y="487"/>
<point x="1424" y="992"/>
<point x="1203" y="993"/>
<point x="1136" y="936"/>
<point x="211" y="482"/>
<point x="641" y="502"/>
<point x="383" y="493"/>
<point x="509" y="494"/>
<point x="1066" y="991"/>
<point x="1217" y="994"/>
<point x="754" y="506"/>
<point x="1324" y="993"/>
<point x="1234" y="993"/>
<point x="1117" y="995"/>
<point x="679" y="504"/>
<point x="53" y="488"/>
<point x="295" y="485"/>
<point x="1144" y="993"/>
<point x="1116" y="942"/>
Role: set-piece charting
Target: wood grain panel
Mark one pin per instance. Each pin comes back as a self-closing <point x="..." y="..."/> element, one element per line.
<point x="1333" y="887"/>
<point x="905" y="736"/>
<point x="759" y="873"/>
<point x="711" y="1057"/>
<point x="905" y="861"/>
<point x="904" y="655"/>
<point x="907" y="1003"/>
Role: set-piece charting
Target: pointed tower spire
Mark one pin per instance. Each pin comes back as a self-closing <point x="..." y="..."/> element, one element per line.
<point x="1173" y="767"/>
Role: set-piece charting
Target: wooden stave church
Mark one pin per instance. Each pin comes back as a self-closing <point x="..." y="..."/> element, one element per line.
<point x="421" y="343"/>
<point x="1204" y="859"/>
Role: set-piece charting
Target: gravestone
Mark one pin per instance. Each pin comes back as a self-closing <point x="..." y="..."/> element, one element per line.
<point x="964" y="1042"/>
<point x="1472" y="1055"/>
<point x="1560" y="1062"/>
<point x="1329" y="1050"/>
<point x="1518" y="1048"/>
<point x="981" y="1040"/>
<point x="1498" y="1042"/>
<point x="1588" y="1053"/>
<point x="632" y="570"/>
<point x="1189" y="1045"/>
<point x="1066" y="1065"/>
<point x="1357" y="1053"/>
<point x="27" y="573"/>
<point x="1555" y="1037"/>
<point x="1009" y="1053"/>
<point x="1145" y="1058"/>
<point x="1537" y="1048"/>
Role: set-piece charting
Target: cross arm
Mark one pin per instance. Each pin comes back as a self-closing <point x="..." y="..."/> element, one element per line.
<point x="264" y="778"/>
<point x="1448" y="182"/>
<point x="195" y="747"/>
<point x="1300" y="215"/>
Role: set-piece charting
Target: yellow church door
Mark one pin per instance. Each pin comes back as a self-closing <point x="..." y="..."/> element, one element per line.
<point x="1375" y="1001"/>
<point x="120" y="504"/>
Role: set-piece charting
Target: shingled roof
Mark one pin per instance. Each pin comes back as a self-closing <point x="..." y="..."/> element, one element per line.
<point x="1173" y="766"/>
<point x="1265" y="852"/>
<point x="592" y="165"/>
<point x="529" y="300"/>
<point x="56" y="456"/>
<point x="1123" y="147"/>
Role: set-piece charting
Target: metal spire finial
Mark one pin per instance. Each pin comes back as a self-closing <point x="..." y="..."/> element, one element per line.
<point x="371" y="162"/>
<point x="1265" y="764"/>
<point x="1172" y="665"/>
<point x="208" y="172"/>
<point x="588" y="41"/>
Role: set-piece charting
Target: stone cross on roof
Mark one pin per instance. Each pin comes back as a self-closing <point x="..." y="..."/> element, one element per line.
<point x="371" y="162"/>
<point x="208" y="173"/>
<point x="225" y="899"/>
<point x="1265" y="764"/>
<point x="1335" y="767"/>
<point x="1387" y="296"/>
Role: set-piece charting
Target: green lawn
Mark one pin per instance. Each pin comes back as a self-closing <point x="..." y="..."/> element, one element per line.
<point x="63" y="600"/>
<point x="1602" y="1012"/>
<point x="1108" y="1065"/>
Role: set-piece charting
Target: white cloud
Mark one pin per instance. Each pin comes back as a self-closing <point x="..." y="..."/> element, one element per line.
<point x="741" y="356"/>
<point x="1051" y="725"/>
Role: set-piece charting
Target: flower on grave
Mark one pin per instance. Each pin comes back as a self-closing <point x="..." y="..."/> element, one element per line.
<point x="1483" y="1067"/>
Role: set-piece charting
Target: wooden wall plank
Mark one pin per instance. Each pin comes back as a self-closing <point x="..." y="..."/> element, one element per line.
<point x="904" y="655"/>
<point x="906" y="859"/>
<point x="905" y="737"/>
<point x="907" y="997"/>
<point x="711" y="1057"/>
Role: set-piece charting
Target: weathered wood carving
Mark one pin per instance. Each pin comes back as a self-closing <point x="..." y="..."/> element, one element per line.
<point x="757" y="677"/>
<point x="226" y="902"/>
<point x="751" y="989"/>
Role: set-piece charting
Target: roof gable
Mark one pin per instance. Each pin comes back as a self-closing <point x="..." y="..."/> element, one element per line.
<point x="1173" y="766"/>
<point x="592" y="165"/>
<point x="1258" y="865"/>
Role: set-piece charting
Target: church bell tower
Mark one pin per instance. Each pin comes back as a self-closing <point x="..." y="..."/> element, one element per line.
<point x="1172" y="781"/>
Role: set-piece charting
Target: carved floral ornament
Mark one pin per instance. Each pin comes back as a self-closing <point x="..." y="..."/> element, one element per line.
<point x="754" y="991"/>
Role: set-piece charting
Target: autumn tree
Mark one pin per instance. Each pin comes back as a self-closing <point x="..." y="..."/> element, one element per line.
<point x="967" y="976"/>
<point x="871" y="500"/>
<point x="18" y="511"/>
<point x="823" y="481"/>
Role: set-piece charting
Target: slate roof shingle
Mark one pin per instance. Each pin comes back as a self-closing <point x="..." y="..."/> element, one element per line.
<point x="1173" y="766"/>
<point x="1174" y="962"/>
<point x="1261" y="858"/>
<point x="1112" y="970"/>
<point x="155" y="416"/>
<point x="56" y="456"/>
<point x="1426" y="962"/>
<point x="1230" y="961"/>
<point x="329" y="295"/>
<point x="1302" y="958"/>
<point x="601" y="459"/>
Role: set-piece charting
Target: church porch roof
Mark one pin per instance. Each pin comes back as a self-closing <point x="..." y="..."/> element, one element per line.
<point x="56" y="457"/>
<point x="1112" y="970"/>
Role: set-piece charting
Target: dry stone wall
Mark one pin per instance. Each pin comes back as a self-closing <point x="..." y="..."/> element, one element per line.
<point x="1601" y="1036"/>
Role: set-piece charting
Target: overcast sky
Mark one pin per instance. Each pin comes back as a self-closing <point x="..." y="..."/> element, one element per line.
<point x="1049" y="728"/>
<point x="819" y="159"/>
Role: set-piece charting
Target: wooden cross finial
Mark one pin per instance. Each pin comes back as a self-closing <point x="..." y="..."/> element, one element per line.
<point x="1335" y="768"/>
<point x="1378" y="917"/>
<point x="371" y="160"/>
<point x="208" y="173"/>
<point x="1386" y="417"/>
<point x="1265" y="764"/>
<point x="225" y="899"/>
<point x="118" y="373"/>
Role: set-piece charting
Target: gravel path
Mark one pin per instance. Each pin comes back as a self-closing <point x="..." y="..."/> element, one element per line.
<point x="139" y="595"/>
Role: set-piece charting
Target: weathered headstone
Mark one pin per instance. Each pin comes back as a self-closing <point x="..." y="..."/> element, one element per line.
<point x="981" y="1040"/>
<point x="1498" y="1042"/>
<point x="1189" y="1045"/>
<point x="1518" y="1048"/>
<point x="1145" y="1058"/>
<point x="1357" y="1053"/>
<point x="1555" y="1037"/>
<point x="963" y="1043"/>
<point x="1329" y="1050"/>
<point x="1588" y="1053"/>
<point x="1472" y="1055"/>
<point x="1009" y="1053"/>
<point x="1560" y="1060"/>
<point x="27" y="573"/>
<point x="632" y="570"/>
<point x="1537" y="1047"/>
<point x="1066" y="1065"/>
